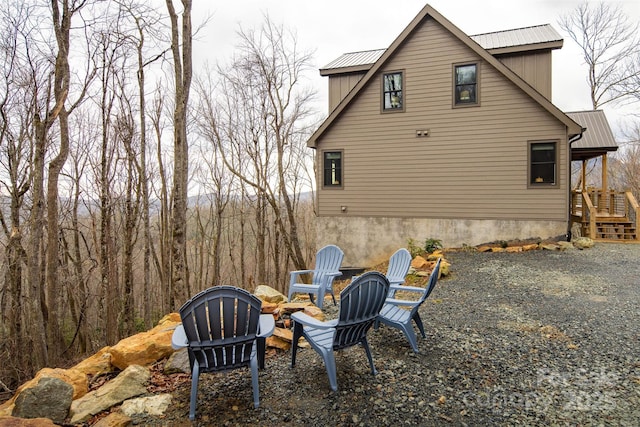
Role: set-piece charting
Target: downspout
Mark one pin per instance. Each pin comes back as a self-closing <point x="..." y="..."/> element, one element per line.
<point x="571" y="141"/>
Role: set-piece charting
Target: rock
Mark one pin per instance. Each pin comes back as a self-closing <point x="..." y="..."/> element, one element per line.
<point x="513" y="249"/>
<point x="280" y="339"/>
<point x="114" y="419"/>
<point x="498" y="249"/>
<point x="268" y="294"/>
<point x="484" y="249"/>
<point x="583" y="243"/>
<point x="565" y="245"/>
<point x="419" y="262"/>
<point x="129" y="383"/>
<point x="285" y="334"/>
<point x="315" y="312"/>
<point x="549" y="247"/>
<point x="150" y="405"/>
<point x="269" y="307"/>
<point x="148" y="347"/>
<point x="445" y="268"/>
<point x="178" y="362"/>
<point x="75" y="378"/>
<point x="6" y="421"/>
<point x="99" y="363"/>
<point x="49" y="398"/>
<point x="530" y="247"/>
<point x="277" y="342"/>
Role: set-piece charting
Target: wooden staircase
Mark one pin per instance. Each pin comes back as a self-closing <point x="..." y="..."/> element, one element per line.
<point x="606" y="216"/>
<point x="608" y="228"/>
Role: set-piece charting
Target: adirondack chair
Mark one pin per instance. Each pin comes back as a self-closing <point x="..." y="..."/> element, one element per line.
<point x="393" y="314"/>
<point x="399" y="264"/>
<point x="223" y="329"/>
<point x="360" y="303"/>
<point x="327" y="268"/>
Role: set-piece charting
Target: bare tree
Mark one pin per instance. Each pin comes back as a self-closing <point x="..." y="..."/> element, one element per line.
<point x="182" y="67"/>
<point x="608" y="40"/>
<point x="262" y="118"/>
<point x="16" y="121"/>
<point x="625" y="166"/>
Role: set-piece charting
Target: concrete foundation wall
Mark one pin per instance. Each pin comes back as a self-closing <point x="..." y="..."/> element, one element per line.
<point x="367" y="241"/>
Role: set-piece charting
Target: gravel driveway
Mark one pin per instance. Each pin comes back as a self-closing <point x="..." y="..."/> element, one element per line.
<point x="532" y="338"/>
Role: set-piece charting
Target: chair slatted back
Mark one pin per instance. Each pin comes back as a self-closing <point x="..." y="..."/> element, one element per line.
<point x="399" y="264"/>
<point x="328" y="260"/>
<point x="221" y="324"/>
<point x="431" y="284"/>
<point x="360" y="303"/>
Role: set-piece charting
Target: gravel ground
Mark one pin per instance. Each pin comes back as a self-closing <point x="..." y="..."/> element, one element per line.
<point x="533" y="338"/>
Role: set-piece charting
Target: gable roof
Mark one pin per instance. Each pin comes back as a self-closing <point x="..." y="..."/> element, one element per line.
<point x="597" y="139"/>
<point x="498" y="42"/>
<point x="573" y="127"/>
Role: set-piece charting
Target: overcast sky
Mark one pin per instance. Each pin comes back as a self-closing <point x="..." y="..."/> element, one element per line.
<point x="333" y="27"/>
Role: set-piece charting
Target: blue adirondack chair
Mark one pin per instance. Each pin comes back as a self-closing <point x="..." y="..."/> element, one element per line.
<point x="399" y="313"/>
<point x="399" y="264"/>
<point x="223" y="329"/>
<point x="327" y="268"/>
<point x="360" y="303"/>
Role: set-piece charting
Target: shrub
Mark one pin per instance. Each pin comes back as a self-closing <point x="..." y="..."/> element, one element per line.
<point x="431" y="245"/>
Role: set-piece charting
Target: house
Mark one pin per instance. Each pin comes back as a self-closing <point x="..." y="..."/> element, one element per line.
<point x="443" y="136"/>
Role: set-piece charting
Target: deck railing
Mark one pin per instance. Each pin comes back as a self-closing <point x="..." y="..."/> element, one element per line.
<point x="593" y="205"/>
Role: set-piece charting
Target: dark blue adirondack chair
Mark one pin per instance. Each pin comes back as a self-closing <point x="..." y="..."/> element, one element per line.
<point x="399" y="264"/>
<point x="360" y="303"/>
<point x="327" y="268"/>
<point x="223" y="329"/>
<point x="399" y="313"/>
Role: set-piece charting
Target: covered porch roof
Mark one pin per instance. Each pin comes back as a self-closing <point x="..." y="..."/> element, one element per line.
<point x="597" y="139"/>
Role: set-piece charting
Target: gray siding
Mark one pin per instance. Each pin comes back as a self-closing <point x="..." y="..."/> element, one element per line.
<point x="474" y="163"/>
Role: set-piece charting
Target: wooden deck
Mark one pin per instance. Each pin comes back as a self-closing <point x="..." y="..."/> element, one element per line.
<point x="606" y="216"/>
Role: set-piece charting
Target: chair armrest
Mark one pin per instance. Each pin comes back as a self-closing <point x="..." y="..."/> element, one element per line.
<point x="296" y="272"/>
<point x="179" y="338"/>
<point x="406" y="288"/>
<point x="307" y="320"/>
<point x="396" y="283"/>
<point x="394" y="301"/>
<point x="266" y="326"/>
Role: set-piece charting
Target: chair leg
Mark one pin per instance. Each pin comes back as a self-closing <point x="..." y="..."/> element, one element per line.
<point x="195" y="376"/>
<point x="367" y="350"/>
<point x="254" y="383"/>
<point x="297" y="332"/>
<point x="333" y="297"/>
<point x="418" y="320"/>
<point x="262" y="344"/>
<point x="330" y="365"/>
<point x="407" y="329"/>
<point x="320" y="302"/>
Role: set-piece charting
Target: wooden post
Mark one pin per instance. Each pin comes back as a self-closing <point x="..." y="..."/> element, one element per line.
<point x="604" y="173"/>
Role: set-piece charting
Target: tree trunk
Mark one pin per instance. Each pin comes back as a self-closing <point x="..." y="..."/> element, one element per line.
<point x="182" y="65"/>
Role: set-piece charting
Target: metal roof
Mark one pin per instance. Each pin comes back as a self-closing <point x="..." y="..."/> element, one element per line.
<point x="352" y="59"/>
<point x="597" y="139"/>
<point x="519" y="37"/>
<point x="538" y="34"/>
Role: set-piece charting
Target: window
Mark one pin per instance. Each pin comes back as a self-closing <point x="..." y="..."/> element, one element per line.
<point x="542" y="159"/>
<point x="332" y="169"/>
<point x="466" y="84"/>
<point x="392" y="99"/>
